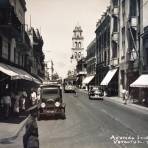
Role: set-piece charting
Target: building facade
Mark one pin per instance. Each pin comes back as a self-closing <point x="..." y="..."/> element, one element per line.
<point x="91" y="64"/>
<point x="91" y="58"/>
<point x="129" y="59"/>
<point x="81" y="72"/>
<point x="17" y="53"/>
<point x="118" y="46"/>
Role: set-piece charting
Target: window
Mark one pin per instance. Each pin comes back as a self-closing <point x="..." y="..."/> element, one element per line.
<point x="1" y="46"/>
<point x="115" y="25"/>
<point x="123" y="42"/>
<point x="133" y="7"/>
<point x="115" y="3"/>
<point x="123" y="12"/>
<point x="75" y="55"/>
<point x="79" y="44"/>
<point x="146" y="50"/>
<point x="105" y="57"/>
<point x="122" y="79"/>
<point x="76" y="44"/>
<point x="5" y="48"/>
<point x="132" y="38"/>
<point x="114" y="49"/>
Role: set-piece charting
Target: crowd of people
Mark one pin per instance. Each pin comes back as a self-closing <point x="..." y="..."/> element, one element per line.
<point x="18" y="101"/>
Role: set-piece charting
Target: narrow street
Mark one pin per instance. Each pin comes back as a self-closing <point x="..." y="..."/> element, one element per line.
<point x="90" y="124"/>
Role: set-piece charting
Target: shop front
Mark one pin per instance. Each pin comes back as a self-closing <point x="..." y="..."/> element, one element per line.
<point x="110" y="83"/>
<point x="141" y="84"/>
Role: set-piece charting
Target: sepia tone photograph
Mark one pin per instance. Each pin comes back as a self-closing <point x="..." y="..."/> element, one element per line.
<point x="73" y="73"/>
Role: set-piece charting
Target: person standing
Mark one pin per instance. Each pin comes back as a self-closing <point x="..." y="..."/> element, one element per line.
<point x="23" y="98"/>
<point x="7" y="103"/>
<point x="38" y="94"/>
<point x="33" y="97"/>
<point x="125" y="95"/>
<point x="30" y="138"/>
<point x="17" y="104"/>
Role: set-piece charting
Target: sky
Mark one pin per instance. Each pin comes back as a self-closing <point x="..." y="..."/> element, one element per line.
<point x="56" y="20"/>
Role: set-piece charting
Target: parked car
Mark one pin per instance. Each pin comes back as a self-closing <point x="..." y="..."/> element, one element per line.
<point x="95" y="93"/>
<point x="51" y="103"/>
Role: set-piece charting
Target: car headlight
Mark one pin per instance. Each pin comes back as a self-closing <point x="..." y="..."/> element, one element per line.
<point x="43" y="105"/>
<point x="57" y="104"/>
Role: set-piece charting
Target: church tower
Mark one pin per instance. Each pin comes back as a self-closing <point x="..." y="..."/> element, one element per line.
<point x="77" y="44"/>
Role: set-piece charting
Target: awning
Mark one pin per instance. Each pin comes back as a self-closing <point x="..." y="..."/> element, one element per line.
<point x="36" y="80"/>
<point x="142" y="81"/>
<point x="108" y="77"/>
<point x="41" y="79"/>
<point x="16" y="73"/>
<point x="88" y="79"/>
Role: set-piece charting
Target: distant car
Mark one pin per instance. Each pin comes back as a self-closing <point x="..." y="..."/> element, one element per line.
<point x="69" y="88"/>
<point x="51" y="103"/>
<point x="95" y="93"/>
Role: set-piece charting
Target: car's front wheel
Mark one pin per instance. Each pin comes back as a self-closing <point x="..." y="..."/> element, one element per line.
<point x="63" y="114"/>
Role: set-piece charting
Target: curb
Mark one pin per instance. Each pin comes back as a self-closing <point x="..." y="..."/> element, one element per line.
<point x="128" y="105"/>
<point x="11" y="138"/>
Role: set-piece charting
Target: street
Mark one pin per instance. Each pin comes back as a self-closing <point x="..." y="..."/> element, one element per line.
<point x="92" y="124"/>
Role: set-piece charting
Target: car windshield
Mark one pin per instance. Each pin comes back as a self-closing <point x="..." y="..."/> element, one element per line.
<point x="50" y="93"/>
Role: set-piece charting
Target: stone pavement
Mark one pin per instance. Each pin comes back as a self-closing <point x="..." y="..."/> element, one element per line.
<point x="120" y="101"/>
<point x="10" y="128"/>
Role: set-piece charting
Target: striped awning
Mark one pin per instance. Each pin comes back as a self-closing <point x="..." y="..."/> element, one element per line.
<point x="108" y="77"/>
<point x="142" y="81"/>
<point x="16" y="73"/>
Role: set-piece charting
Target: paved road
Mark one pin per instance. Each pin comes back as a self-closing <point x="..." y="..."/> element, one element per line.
<point x="91" y="124"/>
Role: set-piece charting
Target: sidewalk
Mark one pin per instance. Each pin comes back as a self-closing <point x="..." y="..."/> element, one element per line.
<point x="119" y="100"/>
<point x="10" y="128"/>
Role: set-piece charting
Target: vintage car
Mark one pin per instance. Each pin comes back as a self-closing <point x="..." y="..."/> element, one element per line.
<point x="95" y="93"/>
<point x="69" y="88"/>
<point x="51" y="103"/>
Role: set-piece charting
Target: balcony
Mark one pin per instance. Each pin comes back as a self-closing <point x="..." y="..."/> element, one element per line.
<point x="114" y="62"/>
<point x="133" y="22"/>
<point x="115" y="36"/>
<point x="132" y="60"/>
<point x="115" y="11"/>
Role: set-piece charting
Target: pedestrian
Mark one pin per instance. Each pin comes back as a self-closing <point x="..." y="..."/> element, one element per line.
<point x="17" y="104"/>
<point x="33" y="97"/>
<point x="12" y="95"/>
<point x="125" y="94"/>
<point x="23" y="98"/>
<point x="30" y="138"/>
<point x="6" y="103"/>
<point x="75" y="90"/>
<point x="38" y="94"/>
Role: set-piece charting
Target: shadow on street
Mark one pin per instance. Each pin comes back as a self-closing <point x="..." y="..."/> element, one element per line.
<point x="14" y="119"/>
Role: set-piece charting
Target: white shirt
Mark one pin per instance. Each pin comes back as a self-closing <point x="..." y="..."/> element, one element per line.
<point x="33" y="96"/>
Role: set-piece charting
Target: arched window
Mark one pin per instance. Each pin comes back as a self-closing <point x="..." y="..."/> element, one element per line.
<point x="75" y="55"/>
<point x="76" y="44"/>
<point x="79" y="55"/>
<point x="79" y="44"/>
